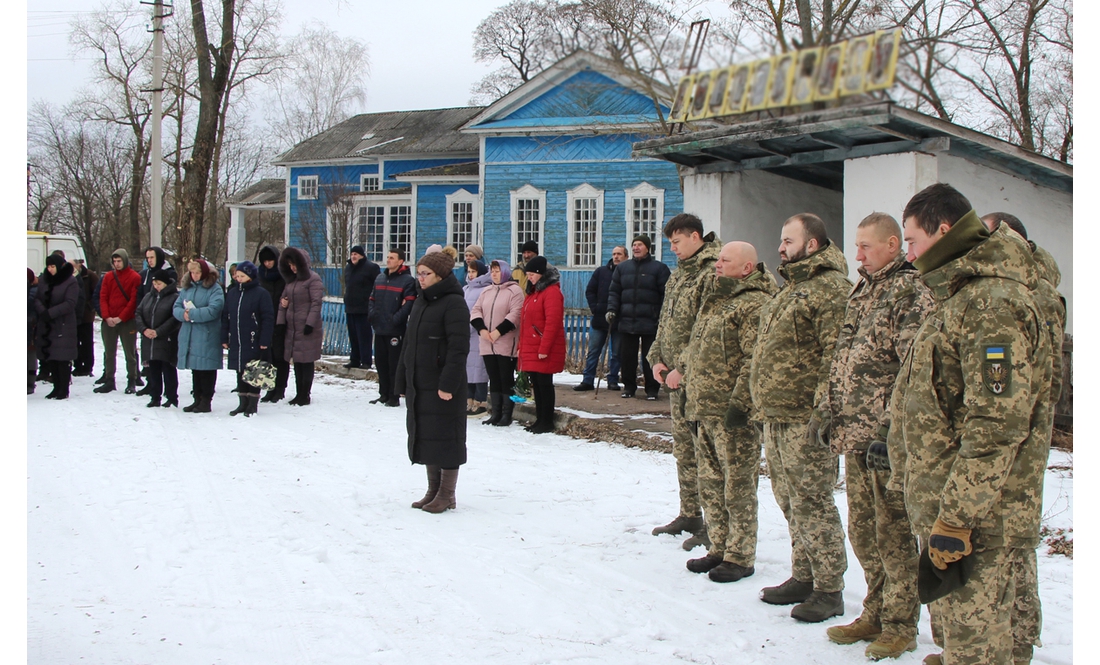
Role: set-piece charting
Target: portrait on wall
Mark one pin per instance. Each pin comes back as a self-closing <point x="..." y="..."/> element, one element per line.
<point x="683" y="98"/>
<point x="827" y="85"/>
<point x="759" y="77"/>
<point x="854" y="72"/>
<point x="884" y="59"/>
<point x="698" y="107"/>
<point x="780" y="90"/>
<point x="735" y="94"/>
<point x="802" y="92"/>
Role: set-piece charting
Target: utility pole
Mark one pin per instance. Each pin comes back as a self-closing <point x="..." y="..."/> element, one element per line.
<point x="156" y="196"/>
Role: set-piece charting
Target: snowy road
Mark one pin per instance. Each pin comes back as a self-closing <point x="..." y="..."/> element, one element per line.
<point x="157" y="536"/>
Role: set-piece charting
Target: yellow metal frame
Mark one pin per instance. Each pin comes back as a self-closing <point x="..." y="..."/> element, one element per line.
<point x="853" y="80"/>
<point x="719" y="87"/>
<point x="784" y="78"/>
<point x="755" y="82"/>
<point x="884" y="38"/>
<point x="733" y="105"/>
<point x="702" y="84"/>
<point x="802" y="89"/>
<point x="823" y="70"/>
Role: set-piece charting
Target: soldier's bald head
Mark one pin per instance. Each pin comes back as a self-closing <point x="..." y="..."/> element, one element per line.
<point x="737" y="259"/>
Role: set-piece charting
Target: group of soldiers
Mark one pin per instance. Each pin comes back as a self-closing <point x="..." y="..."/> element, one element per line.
<point x="935" y="377"/>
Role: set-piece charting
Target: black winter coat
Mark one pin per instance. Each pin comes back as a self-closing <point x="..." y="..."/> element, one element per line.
<point x="56" y="306"/>
<point x="358" y="285"/>
<point x="433" y="358"/>
<point x="599" y="287"/>
<point x="32" y="315"/>
<point x="271" y="280"/>
<point x="155" y="311"/>
<point x="90" y="284"/>
<point x="637" y="293"/>
<point x="391" y="301"/>
<point x="248" y="321"/>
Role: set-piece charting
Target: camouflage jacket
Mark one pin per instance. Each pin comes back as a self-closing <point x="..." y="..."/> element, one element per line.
<point x="1048" y="267"/>
<point x="1053" y="306"/>
<point x="684" y="294"/>
<point x="798" y="329"/>
<point x="973" y="391"/>
<point x="884" y="311"/>
<point x="722" y="341"/>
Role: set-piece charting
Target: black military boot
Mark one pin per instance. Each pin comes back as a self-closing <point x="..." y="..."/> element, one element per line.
<point x="788" y="593"/>
<point x="107" y="387"/>
<point x="819" y="606"/>
<point x="728" y="571"/>
<point x="704" y="564"/>
<point x="680" y="525"/>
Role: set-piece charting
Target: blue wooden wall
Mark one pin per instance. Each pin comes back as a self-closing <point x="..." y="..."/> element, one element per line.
<point x="431" y="214"/>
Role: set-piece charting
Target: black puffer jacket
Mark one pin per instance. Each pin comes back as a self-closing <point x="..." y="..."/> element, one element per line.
<point x="155" y="311"/>
<point x="164" y="264"/>
<point x="271" y="279"/>
<point x="391" y="301"/>
<point x="597" y="291"/>
<point x="433" y="358"/>
<point x="247" y="323"/>
<point x="56" y="306"/>
<point x="358" y="284"/>
<point x="637" y="293"/>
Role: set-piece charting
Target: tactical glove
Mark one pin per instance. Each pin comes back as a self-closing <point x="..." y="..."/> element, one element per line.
<point x="948" y="544"/>
<point x="878" y="459"/>
<point x="308" y="329"/>
<point x="609" y="317"/>
<point x="735" y="417"/>
<point x="817" y="432"/>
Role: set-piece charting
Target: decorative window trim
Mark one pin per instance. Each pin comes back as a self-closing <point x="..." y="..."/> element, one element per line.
<point x="369" y="182"/>
<point x="527" y="192"/>
<point x="464" y="196"/>
<point x="307" y="187"/>
<point x="378" y="247"/>
<point x="584" y="191"/>
<point x="645" y="191"/>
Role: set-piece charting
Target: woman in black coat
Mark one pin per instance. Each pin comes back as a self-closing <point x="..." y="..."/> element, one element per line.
<point x="248" y="321"/>
<point x="431" y="374"/>
<point x="56" y="301"/>
<point x="272" y="281"/>
<point x="159" y="332"/>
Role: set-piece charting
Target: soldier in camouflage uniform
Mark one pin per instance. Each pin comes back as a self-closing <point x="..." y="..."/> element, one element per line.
<point x="884" y="311"/>
<point x="970" y="414"/>
<point x="716" y="380"/>
<point x="789" y="383"/>
<point x="684" y="293"/>
<point x="1027" y="612"/>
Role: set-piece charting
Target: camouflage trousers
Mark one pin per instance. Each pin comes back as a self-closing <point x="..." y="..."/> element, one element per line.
<point x="973" y="624"/>
<point x="683" y="449"/>
<point x="883" y="540"/>
<point x="729" y="473"/>
<point x="802" y="480"/>
<point x="1027" y="611"/>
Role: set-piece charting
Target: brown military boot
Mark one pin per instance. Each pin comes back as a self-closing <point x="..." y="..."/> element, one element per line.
<point x="890" y="645"/>
<point x="859" y="630"/>
<point x="680" y="525"/>
<point x="933" y="659"/>
<point x="433" y="487"/>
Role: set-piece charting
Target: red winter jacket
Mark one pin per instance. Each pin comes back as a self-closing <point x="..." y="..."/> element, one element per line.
<point x="541" y="328"/>
<point x="112" y="302"/>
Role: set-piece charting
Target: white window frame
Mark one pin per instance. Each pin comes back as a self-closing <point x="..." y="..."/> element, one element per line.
<point x="527" y="193"/>
<point x="572" y="196"/>
<point x="369" y="178"/>
<point x="370" y="205"/>
<point x="308" y="186"/>
<point x="464" y="196"/>
<point x="645" y="191"/>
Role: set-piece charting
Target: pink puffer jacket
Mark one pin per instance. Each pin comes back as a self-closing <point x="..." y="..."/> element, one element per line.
<point x="499" y="304"/>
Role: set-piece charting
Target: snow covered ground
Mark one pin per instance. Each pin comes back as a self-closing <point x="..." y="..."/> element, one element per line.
<point x="157" y="536"/>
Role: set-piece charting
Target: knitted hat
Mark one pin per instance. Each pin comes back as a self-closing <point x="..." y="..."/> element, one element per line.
<point x="530" y="246"/>
<point x="437" y="262"/>
<point x="476" y="251"/>
<point x="433" y="249"/>
<point x="644" y="239"/>
<point x="249" y="268"/>
<point x="536" y="265"/>
<point x="358" y="249"/>
<point x="162" y="276"/>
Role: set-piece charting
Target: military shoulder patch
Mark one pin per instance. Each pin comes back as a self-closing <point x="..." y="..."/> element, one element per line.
<point x="996" y="369"/>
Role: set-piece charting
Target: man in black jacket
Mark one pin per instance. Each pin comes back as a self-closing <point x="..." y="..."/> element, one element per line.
<point x="271" y="280"/>
<point x="85" y="349"/>
<point x="390" y="304"/>
<point x="359" y="276"/>
<point x="599" y="287"/>
<point x="635" y="298"/>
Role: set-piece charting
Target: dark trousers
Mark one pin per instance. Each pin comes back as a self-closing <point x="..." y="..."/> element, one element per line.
<point x="203" y="382"/>
<point x="387" y="351"/>
<point x="282" y="367"/>
<point x="628" y="357"/>
<point x="479" y="392"/>
<point x="502" y="374"/>
<point x="542" y="385"/>
<point x="32" y="369"/>
<point x="163" y="380"/>
<point x="359" y="334"/>
<point x="303" y="379"/>
<point x="85" y="349"/>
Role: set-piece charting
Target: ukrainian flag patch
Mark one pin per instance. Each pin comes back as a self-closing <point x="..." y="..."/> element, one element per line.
<point x="994" y="353"/>
<point x="996" y="369"/>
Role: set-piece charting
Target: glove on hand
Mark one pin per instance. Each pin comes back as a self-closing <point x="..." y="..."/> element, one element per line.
<point x="308" y="329"/>
<point x="817" y="432"/>
<point x="948" y="544"/>
<point x="878" y="459"/>
<point x="735" y="417"/>
<point x="265" y="354"/>
<point x="609" y="317"/>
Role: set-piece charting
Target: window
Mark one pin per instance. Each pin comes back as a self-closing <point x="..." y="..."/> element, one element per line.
<point x="368" y="183"/>
<point x="645" y="208"/>
<point x="528" y="205"/>
<point x="462" y="227"/>
<point x="585" y="206"/>
<point x="380" y="229"/>
<point x="307" y="187"/>
<point x="400" y="231"/>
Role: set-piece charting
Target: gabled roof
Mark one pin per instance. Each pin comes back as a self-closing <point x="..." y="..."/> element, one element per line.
<point x="269" y="191"/>
<point x="432" y="131"/>
<point x="579" y="91"/>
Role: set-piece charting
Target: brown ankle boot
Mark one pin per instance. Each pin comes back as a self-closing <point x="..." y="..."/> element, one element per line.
<point x="433" y="487"/>
<point x="445" y="498"/>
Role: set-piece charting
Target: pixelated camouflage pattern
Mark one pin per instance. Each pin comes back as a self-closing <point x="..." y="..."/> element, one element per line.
<point x="789" y="376"/>
<point x="802" y="481"/>
<point x="1053" y="306"/>
<point x="886" y="547"/>
<point x="683" y="450"/>
<point x="1048" y="267"/>
<point x="717" y="358"/>
<point x="729" y="474"/>
<point x="883" y="313"/>
<point x="974" y="457"/>
<point x="1027" y="610"/>
<point x="684" y="294"/>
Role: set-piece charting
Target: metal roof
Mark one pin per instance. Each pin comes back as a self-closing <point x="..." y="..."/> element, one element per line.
<point x="813" y="145"/>
<point x="269" y="191"/>
<point x="431" y="131"/>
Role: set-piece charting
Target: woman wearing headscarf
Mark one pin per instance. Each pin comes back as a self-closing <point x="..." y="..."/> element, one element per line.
<point x="272" y="281"/>
<point x="542" y="338"/>
<point x="431" y="374"/>
<point x="247" y="324"/>
<point x="55" y="342"/>
<point x="199" y="311"/>
<point x="300" y="310"/>
<point x="159" y="331"/>
<point x="477" y="378"/>
<point x="496" y="317"/>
